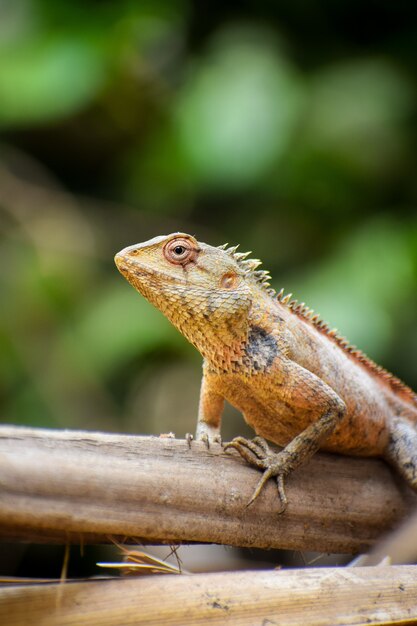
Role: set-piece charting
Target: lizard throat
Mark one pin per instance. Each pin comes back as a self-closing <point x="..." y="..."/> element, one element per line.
<point x="216" y="323"/>
<point x="221" y="342"/>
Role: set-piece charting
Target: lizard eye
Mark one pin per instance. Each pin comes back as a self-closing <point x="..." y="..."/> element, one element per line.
<point x="179" y="251"/>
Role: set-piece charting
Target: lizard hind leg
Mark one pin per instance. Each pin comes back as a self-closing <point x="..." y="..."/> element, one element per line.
<point x="401" y="451"/>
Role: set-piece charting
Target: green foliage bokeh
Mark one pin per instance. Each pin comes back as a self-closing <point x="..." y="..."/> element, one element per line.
<point x="287" y="129"/>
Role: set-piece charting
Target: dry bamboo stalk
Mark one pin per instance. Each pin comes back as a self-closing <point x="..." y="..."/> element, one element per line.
<point x="326" y="596"/>
<point x="399" y="546"/>
<point x="85" y="486"/>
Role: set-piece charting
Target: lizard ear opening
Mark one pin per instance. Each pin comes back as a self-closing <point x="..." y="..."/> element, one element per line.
<point x="230" y="280"/>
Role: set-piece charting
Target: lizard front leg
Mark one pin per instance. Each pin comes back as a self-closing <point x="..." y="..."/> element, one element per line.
<point x="210" y="411"/>
<point x="302" y="390"/>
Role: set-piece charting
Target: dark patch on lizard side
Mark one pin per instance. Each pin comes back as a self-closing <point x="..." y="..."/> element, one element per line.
<point x="261" y="349"/>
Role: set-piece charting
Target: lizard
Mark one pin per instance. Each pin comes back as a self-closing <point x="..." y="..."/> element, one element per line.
<point x="298" y="383"/>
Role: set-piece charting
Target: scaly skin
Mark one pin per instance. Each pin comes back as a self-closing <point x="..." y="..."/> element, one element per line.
<point x="297" y="383"/>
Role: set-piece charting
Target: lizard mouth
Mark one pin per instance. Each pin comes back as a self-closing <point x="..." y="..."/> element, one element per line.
<point x="133" y="270"/>
<point x="123" y="265"/>
<point x="127" y="266"/>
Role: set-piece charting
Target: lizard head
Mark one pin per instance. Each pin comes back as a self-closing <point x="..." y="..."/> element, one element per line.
<point x="203" y="290"/>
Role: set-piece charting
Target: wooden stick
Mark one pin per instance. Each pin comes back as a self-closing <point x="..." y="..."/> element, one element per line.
<point x="88" y="487"/>
<point x="399" y="546"/>
<point x="326" y="596"/>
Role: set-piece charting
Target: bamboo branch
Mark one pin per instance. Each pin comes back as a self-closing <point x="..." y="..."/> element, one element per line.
<point x="87" y="487"/>
<point x="326" y="596"/>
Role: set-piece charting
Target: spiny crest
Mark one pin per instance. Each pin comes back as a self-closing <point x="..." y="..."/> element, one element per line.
<point x="250" y="267"/>
<point x="308" y="314"/>
<point x="262" y="277"/>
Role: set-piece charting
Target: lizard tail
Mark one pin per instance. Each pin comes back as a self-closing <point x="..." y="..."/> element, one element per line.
<point x="401" y="451"/>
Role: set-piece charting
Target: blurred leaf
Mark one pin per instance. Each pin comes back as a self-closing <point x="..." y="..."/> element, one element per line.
<point x="48" y="79"/>
<point x="361" y="287"/>
<point x="354" y="143"/>
<point x="27" y="407"/>
<point x="358" y="107"/>
<point x="238" y="109"/>
<point x="159" y="178"/>
<point x="117" y="325"/>
<point x="18" y="21"/>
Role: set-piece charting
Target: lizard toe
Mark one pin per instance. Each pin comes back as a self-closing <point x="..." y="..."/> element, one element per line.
<point x="248" y="452"/>
<point x="269" y="473"/>
<point x="262" y="444"/>
<point x="259" y="449"/>
<point x="206" y="439"/>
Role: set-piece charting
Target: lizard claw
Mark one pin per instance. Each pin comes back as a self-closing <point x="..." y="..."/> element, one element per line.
<point x="189" y="438"/>
<point x="208" y="434"/>
<point x="280" y="486"/>
<point x="258" y="454"/>
<point x="209" y="440"/>
<point x="204" y="437"/>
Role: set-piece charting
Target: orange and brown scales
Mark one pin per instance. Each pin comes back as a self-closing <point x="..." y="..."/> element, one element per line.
<point x="296" y="382"/>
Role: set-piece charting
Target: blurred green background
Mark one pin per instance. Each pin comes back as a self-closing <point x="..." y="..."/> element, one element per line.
<point x="286" y="127"/>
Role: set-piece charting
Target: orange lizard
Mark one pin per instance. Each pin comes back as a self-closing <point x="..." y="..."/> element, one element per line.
<point x="297" y="383"/>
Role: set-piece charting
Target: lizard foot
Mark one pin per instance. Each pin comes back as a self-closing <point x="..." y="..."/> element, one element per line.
<point x="275" y="464"/>
<point x="208" y="440"/>
<point x="206" y="433"/>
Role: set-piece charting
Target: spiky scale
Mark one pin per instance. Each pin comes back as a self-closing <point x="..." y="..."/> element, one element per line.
<point x="240" y="256"/>
<point x="287" y="298"/>
<point x="261" y="274"/>
<point x="251" y="264"/>
<point x="300" y="308"/>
